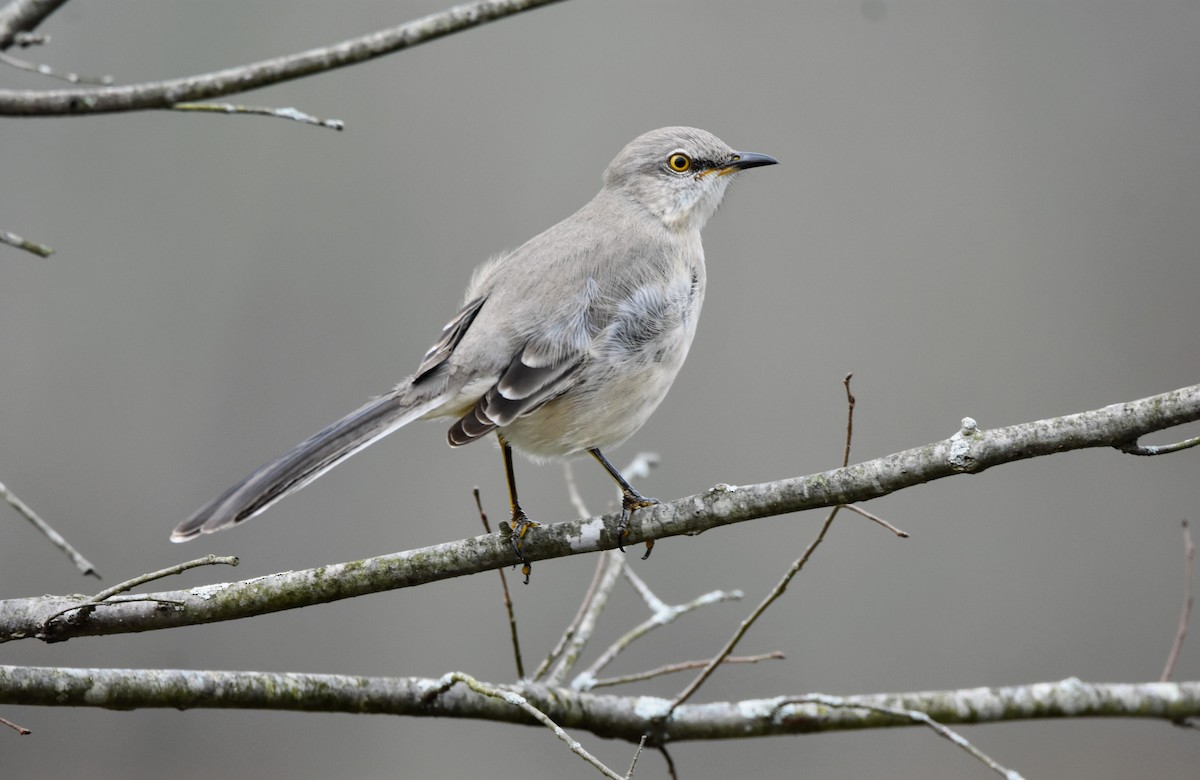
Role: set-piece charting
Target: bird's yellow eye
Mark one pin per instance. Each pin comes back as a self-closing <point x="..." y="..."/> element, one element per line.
<point x="679" y="162"/>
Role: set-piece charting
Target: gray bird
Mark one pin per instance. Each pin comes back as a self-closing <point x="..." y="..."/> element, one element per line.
<point x="564" y="345"/>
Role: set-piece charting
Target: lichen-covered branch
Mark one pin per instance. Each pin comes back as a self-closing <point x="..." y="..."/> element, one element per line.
<point x="621" y="717"/>
<point x="971" y="450"/>
<point x="189" y="89"/>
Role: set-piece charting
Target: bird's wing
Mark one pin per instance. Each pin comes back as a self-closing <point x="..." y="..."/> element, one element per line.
<point x="530" y="380"/>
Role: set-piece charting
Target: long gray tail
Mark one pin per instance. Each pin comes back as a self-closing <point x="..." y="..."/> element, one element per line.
<point x="302" y="464"/>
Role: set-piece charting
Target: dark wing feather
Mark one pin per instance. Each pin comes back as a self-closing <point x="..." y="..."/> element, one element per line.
<point x="452" y="333"/>
<point x="527" y="383"/>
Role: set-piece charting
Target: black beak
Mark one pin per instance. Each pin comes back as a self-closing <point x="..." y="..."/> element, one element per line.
<point x="743" y="160"/>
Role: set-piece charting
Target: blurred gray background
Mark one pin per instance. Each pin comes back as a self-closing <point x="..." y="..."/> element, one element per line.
<point x="984" y="209"/>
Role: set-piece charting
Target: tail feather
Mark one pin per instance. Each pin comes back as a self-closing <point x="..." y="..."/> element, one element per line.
<point x="302" y="464"/>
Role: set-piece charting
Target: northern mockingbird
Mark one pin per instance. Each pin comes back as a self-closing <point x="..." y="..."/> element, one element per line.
<point x="564" y="345"/>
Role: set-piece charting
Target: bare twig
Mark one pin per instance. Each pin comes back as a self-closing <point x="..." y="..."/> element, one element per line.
<point x="652" y="601"/>
<point x="636" y="755"/>
<point x="850" y="402"/>
<point x="586" y="680"/>
<point x="784" y="581"/>
<point x="520" y="701"/>
<point x="170" y="571"/>
<point x="12" y="239"/>
<point x="576" y="636"/>
<point x="203" y="87"/>
<point x="19" y="729"/>
<point x="293" y="114"/>
<point x="875" y="519"/>
<point x="917" y="717"/>
<point x="614" y="562"/>
<point x="1133" y="448"/>
<point x="86" y="607"/>
<point x="753" y="617"/>
<point x="683" y="666"/>
<point x="602" y="565"/>
<point x="508" y="604"/>
<point x="1189" y="556"/>
<point x="81" y="563"/>
<point x="46" y="70"/>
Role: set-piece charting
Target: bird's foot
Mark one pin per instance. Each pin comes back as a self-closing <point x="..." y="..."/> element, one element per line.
<point x="520" y="526"/>
<point x="631" y="501"/>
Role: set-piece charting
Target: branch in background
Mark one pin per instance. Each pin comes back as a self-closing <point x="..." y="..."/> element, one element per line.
<point x="166" y="94"/>
<point x="969" y="451"/>
<point x="619" y="717"/>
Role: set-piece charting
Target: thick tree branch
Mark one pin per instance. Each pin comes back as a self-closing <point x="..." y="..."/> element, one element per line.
<point x="22" y="16"/>
<point x="165" y="94"/>
<point x="971" y="450"/>
<point x="620" y="717"/>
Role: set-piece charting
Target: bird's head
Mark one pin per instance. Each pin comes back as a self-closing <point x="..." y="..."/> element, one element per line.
<point x="679" y="174"/>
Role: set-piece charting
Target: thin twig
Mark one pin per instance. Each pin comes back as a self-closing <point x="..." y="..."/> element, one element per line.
<point x="1189" y="555"/>
<point x="875" y="519"/>
<point x="782" y="585"/>
<point x="1133" y="448"/>
<point x="12" y="239"/>
<point x="294" y="114"/>
<point x="775" y="593"/>
<point x="170" y="571"/>
<point x="88" y="606"/>
<point x="508" y="603"/>
<point x="653" y="602"/>
<point x="614" y="562"/>
<point x="576" y="636"/>
<point x="520" y="701"/>
<point x="917" y="717"/>
<point x="81" y="563"/>
<point x="850" y="402"/>
<point x="683" y="666"/>
<point x="585" y="680"/>
<point x="46" y="70"/>
<point x="636" y="755"/>
<point x="568" y="634"/>
<point x="19" y="729"/>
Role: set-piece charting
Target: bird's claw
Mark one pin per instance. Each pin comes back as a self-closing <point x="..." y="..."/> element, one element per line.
<point x="520" y="526"/>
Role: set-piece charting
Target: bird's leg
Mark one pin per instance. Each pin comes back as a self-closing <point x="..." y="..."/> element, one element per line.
<point x="520" y="521"/>
<point x="630" y="500"/>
